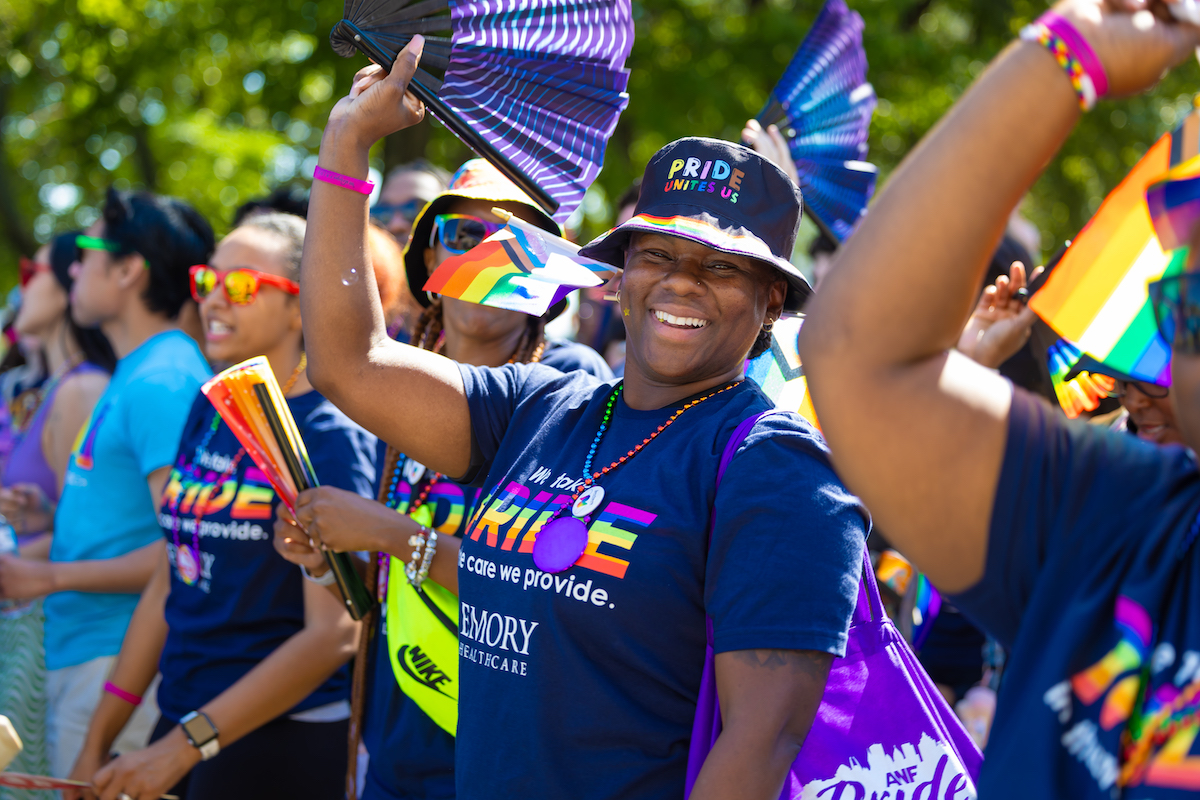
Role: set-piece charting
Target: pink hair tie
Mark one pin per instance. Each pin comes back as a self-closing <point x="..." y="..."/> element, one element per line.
<point x="118" y="692"/>
<point x="345" y="181"/>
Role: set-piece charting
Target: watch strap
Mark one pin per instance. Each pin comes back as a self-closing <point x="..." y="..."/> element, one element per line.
<point x="209" y="746"/>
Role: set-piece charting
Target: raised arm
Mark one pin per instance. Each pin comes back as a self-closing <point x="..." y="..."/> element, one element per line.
<point x="410" y="398"/>
<point x="916" y="430"/>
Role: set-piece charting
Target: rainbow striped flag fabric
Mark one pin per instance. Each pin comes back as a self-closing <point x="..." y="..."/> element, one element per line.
<point x="1174" y="204"/>
<point x="779" y="373"/>
<point x="1096" y="297"/>
<point x="520" y="268"/>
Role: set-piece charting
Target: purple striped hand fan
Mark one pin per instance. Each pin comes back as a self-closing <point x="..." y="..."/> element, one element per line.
<point x="534" y="86"/>
<point x="823" y="105"/>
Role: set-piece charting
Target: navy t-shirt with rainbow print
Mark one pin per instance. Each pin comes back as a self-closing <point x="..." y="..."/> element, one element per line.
<point x="233" y="598"/>
<point x="583" y="684"/>
<point x="409" y="755"/>
<point x="1092" y="583"/>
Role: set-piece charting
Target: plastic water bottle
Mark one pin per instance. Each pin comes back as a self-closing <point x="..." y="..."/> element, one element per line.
<point x="11" y="609"/>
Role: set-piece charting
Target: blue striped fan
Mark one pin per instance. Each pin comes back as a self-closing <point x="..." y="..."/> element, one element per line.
<point x="534" y="86"/>
<point x="823" y="105"/>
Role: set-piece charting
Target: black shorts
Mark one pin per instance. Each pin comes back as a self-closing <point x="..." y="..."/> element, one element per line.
<point x="283" y="759"/>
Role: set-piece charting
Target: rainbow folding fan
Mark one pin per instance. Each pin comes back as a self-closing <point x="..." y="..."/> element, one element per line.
<point x="249" y="400"/>
<point x="1082" y="392"/>
<point x="534" y="86"/>
<point x="823" y="105"/>
<point x="779" y="373"/>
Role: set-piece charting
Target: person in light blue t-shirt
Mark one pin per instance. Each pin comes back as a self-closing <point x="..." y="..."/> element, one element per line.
<point x="131" y="280"/>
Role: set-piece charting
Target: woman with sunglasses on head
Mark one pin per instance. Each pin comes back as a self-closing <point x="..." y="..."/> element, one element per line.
<point x="254" y="691"/>
<point x="408" y="728"/>
<point x="78" y="363"/>
<point x="1072" y="545"/>
<point x="601" y="541"/>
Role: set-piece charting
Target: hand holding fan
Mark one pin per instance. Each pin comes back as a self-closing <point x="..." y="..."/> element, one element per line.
<point x="533" y="86"/>
<point x="823" y="105"/>
<point x="249" y="400"/>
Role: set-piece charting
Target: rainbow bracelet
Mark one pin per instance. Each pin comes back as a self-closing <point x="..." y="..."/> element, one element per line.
<point x="118" y="692"/>
<point x="345" y="181"/>
<point x="1073" y="54"/>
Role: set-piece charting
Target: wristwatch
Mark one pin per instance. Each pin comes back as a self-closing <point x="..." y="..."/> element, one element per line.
<point x="201" y="733"/>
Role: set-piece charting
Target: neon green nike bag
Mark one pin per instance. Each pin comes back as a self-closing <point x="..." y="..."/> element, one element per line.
<point x="422" y="644"/>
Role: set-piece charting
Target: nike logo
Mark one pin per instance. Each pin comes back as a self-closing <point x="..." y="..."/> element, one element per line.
<point x="421" y="668"/>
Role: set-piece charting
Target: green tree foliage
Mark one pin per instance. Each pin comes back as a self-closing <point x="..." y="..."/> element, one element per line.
<point x="218" y="102"/>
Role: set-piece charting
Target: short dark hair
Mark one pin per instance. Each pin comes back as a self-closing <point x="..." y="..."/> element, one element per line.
<point x="168" y="233"/>
<point x="92" y="341"/>
<point x="284" y="199"/>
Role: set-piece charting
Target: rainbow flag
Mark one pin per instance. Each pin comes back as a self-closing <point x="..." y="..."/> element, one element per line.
<point x="1174" y="204"/>
<point x="1081" y="393"/>
<point x="520" y="268"/>
<point x="1096" y="297"/>
<point x="779" y="373"/>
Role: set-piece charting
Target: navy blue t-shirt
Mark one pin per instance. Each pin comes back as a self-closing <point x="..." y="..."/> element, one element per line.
<point x="239" y="600"/>
<point x="1092" y="582"/>
<point x="583" y="684"/>
<point x="410" y="756"/>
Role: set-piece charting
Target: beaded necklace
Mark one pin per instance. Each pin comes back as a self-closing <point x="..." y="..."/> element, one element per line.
<point x="187" y="557"/>
<point x="561" y="540"/>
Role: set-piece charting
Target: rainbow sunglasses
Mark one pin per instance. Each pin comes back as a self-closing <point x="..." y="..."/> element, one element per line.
<point x="241" y="284"/>
<point x="461" y="232"/>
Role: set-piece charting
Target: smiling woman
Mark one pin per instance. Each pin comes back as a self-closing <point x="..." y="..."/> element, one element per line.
<point x="601" y="542"/>
<point x="252" y="656"/>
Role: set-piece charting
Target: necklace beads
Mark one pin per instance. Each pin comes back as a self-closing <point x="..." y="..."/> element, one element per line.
<point x="590" y="479"/>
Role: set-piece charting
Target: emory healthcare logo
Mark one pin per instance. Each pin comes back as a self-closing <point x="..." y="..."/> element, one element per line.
<point x="705" y="176"/>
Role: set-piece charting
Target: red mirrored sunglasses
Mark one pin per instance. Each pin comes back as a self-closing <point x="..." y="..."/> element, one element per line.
<point x="29" y="268"/>
<point x="241" y="284"/>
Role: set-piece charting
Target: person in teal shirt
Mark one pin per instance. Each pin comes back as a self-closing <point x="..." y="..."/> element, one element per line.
<point x="131" y="280"/>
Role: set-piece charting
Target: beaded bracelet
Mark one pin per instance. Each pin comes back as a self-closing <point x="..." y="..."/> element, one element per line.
<point x="422" y="543"/>
<point x="1073" y="54"/>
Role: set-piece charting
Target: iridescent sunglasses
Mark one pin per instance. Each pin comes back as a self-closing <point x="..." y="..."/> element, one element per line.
<point x="1176" y="303"/>
<point x="461" y="232"/>
<point x="241" y="284"/>
<point x="409" y="210"/>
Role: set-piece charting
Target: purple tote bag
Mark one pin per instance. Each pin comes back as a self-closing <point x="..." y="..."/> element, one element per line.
<point x="883" y="730"/>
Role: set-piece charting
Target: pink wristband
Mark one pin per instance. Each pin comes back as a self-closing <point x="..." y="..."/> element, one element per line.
<point x="1080" y="48"/>
<point x="118" y="692"/>
<point x="345" y="181"/>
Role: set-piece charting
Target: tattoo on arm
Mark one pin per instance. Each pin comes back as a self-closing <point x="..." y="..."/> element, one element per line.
<point x="799" y="662"/>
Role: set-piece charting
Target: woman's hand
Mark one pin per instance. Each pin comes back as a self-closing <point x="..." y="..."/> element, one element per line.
<point x="1001" y="323"/>
<point x="294" y="545"/>
<point x="343" y="521"/>
<point x="147" y="774"/>
<point x="771" y="145"/>
<point x="86" y="766"/>
<point x="1136" y="40"/>
<point x="24" y="579"/>
<point x="379" y="102"/>
<point x="26" y="508"/>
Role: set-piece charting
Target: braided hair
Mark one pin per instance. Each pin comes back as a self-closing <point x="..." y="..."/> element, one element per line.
<point x="427" y="334"/>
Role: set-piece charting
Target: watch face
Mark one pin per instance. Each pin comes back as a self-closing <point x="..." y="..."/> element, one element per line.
<point x="198" y="729"/>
